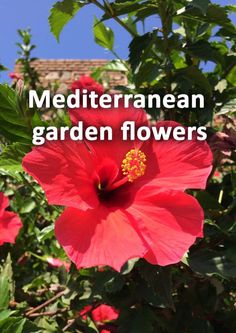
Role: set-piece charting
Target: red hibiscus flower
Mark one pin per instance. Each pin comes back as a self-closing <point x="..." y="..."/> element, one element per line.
<point x="102" y="316"/>
<point x="124" y="199"/>
<point x="10" y="223"/>
<point x="56" y="263"/>
<point x="104" y="313"/>
<point x="15" y="76"/>
<point x="88" y="83"/>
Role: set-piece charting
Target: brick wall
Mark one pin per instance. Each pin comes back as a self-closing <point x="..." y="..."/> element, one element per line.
<point x="64" y="72"/>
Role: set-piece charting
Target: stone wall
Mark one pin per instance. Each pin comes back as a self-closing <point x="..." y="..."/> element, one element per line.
<point x="63" y="72"/>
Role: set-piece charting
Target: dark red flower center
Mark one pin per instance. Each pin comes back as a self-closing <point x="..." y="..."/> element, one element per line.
<point x="111" y="181"/>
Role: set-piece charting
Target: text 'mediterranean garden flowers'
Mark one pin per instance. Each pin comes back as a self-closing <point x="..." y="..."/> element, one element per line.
<point x="10" y="223"/>
<point x="124" y="199"/>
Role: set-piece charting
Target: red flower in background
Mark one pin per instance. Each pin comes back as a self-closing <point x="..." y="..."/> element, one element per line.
<point x="15" y="76"/>
<point x="88" y="83"/>
<point x="10" y="223"/>
<point x="125" y="199"/>
<point x="102" y="316"/>
<point x="104" y="313"/>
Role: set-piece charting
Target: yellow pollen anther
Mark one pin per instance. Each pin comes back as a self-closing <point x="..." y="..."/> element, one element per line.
<point x="133" y="165"/>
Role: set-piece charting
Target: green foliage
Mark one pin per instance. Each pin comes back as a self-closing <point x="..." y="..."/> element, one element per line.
<point x="195" y="295"/>
<point x="137" y="321"/>
<point x="15" y="119"/>
<point x="201" y="4"/>
<point x="103" y="35"/>
<point x="30" y="75"/>
<point x="11" y="159"/>
<point x="158" y="287"/>
<point x="5" y="284"/>
<point x="2" y="68"/>
<point x="222" y="262"/>
<point x="18" y="325"/>
<point x="62" y="13"/>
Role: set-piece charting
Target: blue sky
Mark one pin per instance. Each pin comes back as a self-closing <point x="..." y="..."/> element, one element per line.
<point x="76" y="39"/>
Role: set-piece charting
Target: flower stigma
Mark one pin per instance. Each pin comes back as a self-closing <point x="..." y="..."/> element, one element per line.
<point x="134" y="164"/>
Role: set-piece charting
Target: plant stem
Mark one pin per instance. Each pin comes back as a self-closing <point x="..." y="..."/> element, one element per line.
<point x="26" y="182"/>
<point x="121" y="60"/>
<point x="48" y="313"/>
<point x="119" y="21"/>
<point x="49" y="301"/>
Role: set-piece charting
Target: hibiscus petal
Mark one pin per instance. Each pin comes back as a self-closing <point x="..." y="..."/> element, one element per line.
<point x="113" y="117"/>
<point x="104" y="313"/>
<point x="10" y="225"/>
<point x="182" y="164"/>
<point x="64" y="169"/>
<point x="4" y="202"/>
<point x="169" y="221"/>
<point x="98" y="237"/>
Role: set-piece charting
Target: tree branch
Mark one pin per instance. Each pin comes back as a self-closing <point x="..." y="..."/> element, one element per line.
<point x="47" y="313"/>
<point x="41" y="306"/>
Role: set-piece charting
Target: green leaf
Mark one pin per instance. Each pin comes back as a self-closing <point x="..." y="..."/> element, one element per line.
<point x="148" y="73"/>
<point x="208" y="201"/>
<point x="6" y="284"/>
<point x="48" y="325"/>
<point x="209" y="262"/>
<point x="62" y="13"/>
<point x="128" y="266"/>
<point x="146" y="11"/>
<point x="159" y="283"/>
<point x="118" y="8"/>
<point x="18" y="325"/>
<point x="215" y="14"/>
<point x="231" y="8"/>
<point x="221" y="86"/>
<point x="4" y="314"/>
<point x="204" y="51"/>
<point x="9" y="109"/>
<point x="137" y="321"/>
<point x="45" y="233"/>
<point x="4" y="292"/>
<point x="11" y="159"/>
<point x="103" y="35"/>
<point x="200" y="4"/>
<point x="195" y="75"/>
<point x="27" y="206"/>
<point x="108" y="280"/>
<point x="12" y="325"/>
<point x="30" y="327"/>
<point x="15" y="124"/>
<point x="3" y="68"/>
<point x="131" y="24"/>
<point x="115" y="66"/>
<point x="137" y="49"/>
<point x="231" y="77"/>
<point x="201" y="325"/>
